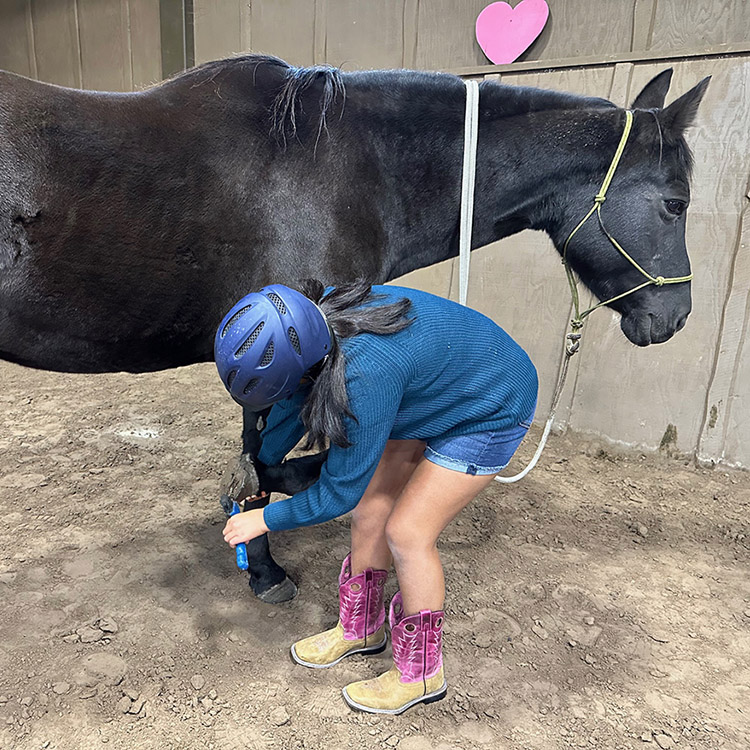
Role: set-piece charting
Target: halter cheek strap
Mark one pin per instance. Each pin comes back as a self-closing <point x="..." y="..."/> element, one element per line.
<point x="577" y="321"/>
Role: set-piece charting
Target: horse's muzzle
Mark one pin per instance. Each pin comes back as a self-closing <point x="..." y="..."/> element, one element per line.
<point x="645" y="328"/>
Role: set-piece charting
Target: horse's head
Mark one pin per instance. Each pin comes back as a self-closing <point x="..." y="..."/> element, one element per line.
<point x="644" y="213"/>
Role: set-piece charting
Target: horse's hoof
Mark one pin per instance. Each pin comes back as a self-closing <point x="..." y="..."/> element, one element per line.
<point x="240" y="479"/>
<point x="280" y="592"/>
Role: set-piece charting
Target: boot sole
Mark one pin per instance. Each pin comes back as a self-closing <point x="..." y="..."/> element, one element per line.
<point x="377" y="649"/>
<point x="433" y="697"/>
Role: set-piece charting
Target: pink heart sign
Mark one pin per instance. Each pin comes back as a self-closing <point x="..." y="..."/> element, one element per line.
<point x="504" y="33"/>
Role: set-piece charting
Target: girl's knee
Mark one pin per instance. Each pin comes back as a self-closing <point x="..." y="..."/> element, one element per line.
<point x="405" y="539"/>
<point x="369" y="519"/>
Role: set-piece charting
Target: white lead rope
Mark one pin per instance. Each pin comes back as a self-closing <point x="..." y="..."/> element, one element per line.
<point x="468" y="181"/>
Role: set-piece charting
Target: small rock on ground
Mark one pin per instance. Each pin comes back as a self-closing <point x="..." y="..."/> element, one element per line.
<point x="279" y="716"/>
<point x="664" y="741"/>
<point x="108" y="625"/>
<point x="88" y="634"/>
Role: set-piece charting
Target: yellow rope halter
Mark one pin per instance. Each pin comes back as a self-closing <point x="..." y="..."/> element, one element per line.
<point x="577" y="321"/>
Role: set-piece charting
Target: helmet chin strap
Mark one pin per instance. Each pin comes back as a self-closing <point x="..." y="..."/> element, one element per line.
<point x="328" y="326"/>
<point x="314" y="372"/>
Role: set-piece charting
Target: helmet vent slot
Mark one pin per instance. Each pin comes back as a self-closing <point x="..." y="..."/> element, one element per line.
<point x="231" y="377"/>
<point x="234" y="319"/>
<point x="294" y="340"/>
<point x="267" y="356"/>
<point x="250" y="386"/>
<point x="278" y="303"/>
<point x="250" y="340"/>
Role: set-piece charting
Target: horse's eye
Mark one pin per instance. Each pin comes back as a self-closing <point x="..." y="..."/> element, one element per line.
<point x="675" y="207"/>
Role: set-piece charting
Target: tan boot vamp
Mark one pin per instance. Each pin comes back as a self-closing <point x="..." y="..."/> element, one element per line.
<point x="330" y="645"/>
<point x="389" y="693"/>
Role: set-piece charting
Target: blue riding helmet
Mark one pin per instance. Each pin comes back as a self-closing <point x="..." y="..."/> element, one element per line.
<point x="267" y="342"/>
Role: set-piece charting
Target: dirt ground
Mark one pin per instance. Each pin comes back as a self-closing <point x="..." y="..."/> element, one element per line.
<point x="604" y="602"/>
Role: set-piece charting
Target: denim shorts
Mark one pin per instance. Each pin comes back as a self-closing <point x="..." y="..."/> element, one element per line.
<point x="478" y="453"/>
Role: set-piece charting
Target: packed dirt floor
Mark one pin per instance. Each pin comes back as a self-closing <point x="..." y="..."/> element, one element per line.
<point x="604" y="602"/>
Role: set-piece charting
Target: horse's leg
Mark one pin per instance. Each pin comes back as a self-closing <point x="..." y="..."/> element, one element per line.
<point x="268" y="580"/>
<point x="292" y="476"/>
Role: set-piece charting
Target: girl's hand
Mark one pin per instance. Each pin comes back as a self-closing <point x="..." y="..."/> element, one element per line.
<point x="245" y="526"/>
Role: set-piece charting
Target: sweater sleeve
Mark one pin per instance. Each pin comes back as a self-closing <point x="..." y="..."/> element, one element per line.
<point x="374" y="399"/>
<point x="283" y="430"/>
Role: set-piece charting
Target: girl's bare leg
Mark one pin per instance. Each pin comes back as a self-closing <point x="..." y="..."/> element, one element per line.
<point x="432" y="497"/>
<point x="369" y="544"/>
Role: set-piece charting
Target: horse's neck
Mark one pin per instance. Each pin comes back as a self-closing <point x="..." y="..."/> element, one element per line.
<point x="522" y="167"/>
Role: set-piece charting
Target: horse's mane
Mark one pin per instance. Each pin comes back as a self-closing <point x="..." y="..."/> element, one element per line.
<point x="295" y="80"/>
<point x="498" y="100"/>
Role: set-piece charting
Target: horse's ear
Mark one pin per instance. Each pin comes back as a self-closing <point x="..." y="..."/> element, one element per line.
<point x="680" y="114"/>
<point x="654" y="92"/>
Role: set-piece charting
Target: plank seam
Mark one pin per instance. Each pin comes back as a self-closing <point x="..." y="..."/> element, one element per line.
<point x="716" y="451"/>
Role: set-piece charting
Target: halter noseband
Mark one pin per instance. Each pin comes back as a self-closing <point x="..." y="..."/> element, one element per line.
<point x="577" y="321"/>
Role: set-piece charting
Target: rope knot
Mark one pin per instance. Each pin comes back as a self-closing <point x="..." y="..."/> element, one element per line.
<point x="573" y="343"/>
<point x="576" y="324"/>
<point x="659" y="281"/>
<point x="599" y="198"/>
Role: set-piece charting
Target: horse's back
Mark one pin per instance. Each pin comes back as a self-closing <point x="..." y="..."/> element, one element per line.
<point x="130" y="222"/>
<point x="116" y="211"/>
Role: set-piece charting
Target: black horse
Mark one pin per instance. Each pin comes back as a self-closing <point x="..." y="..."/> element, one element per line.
<point x="129" y="223"/>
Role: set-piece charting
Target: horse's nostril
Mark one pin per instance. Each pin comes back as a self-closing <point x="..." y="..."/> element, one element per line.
<point x="681" y="323"/>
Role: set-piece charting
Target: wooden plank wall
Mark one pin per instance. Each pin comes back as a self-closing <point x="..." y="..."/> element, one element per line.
<point x="438" y="34"/>
<point x="110" y="45"/>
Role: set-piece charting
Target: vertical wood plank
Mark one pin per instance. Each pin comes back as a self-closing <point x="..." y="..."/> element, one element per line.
<point x="285" y="28"/>
<point x="56" y="46"/>
<point x="727" y="401"/>
<point x="435" y="279"/>
<point x="320" y="25"/>
<point x="736" y="448"/>
<point x="105" y="53"/>
<point x="217" y="29"/>
<point x="246" y="26"/>
<point x="31" y="41"/>
<point x="366" y="35"/>
<point x="411" y="33"/>
<point x="644" y="13"/>
<point x="173" y="27"/>
<point x="127" y="42"/>
<point x="145" y="42"/>
<point x="619" y="89"/>
<point x="15" y="49"/>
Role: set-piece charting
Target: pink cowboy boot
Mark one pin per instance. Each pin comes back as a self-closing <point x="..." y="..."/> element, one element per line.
<point x="417" y="672"/>
<point x="361" y="625"/>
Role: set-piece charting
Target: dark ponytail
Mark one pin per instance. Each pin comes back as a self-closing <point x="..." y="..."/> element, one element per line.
<point x="327" y="405"/>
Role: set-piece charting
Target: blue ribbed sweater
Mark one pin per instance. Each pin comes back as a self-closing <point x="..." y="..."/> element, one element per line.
<point x="453" y="371"/>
